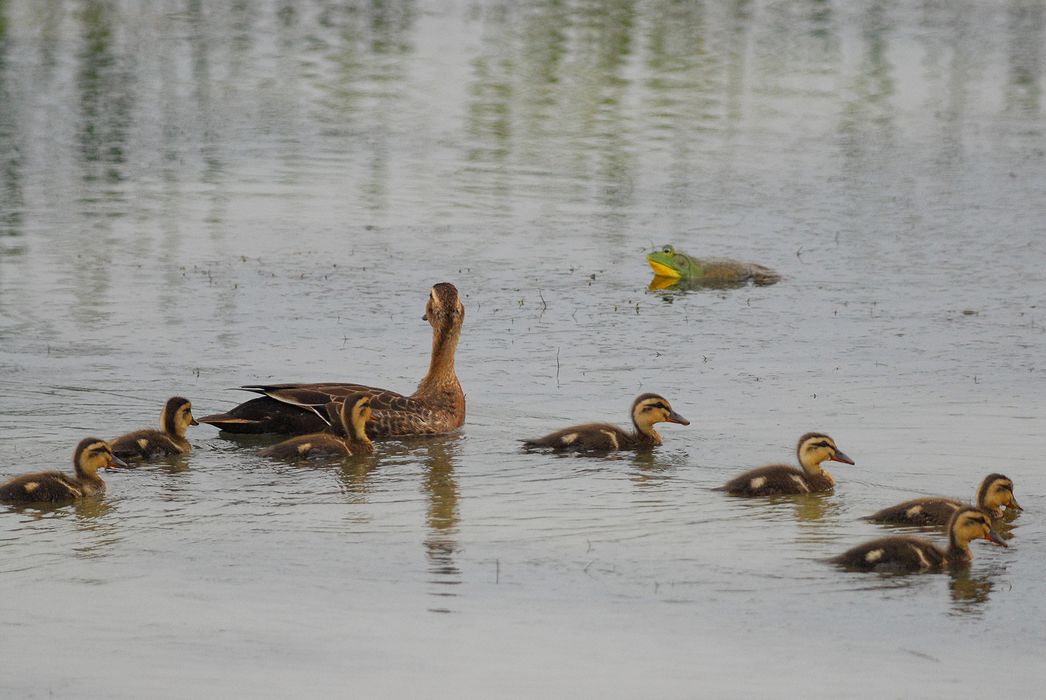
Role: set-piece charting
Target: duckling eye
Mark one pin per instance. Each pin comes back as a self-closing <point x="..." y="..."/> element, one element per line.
<point x="823" y="444"/>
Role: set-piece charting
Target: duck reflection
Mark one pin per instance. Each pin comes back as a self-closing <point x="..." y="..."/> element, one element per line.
<point x="97" y="533"/>
<point x="439" y="455"/>
<point x="969" y="593"/>
<point x="651" y="470"/>
<point x="815" y="507"/>
<point x="354" y="476"/>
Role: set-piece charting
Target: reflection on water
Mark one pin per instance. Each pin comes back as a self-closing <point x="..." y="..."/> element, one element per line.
<point x="205" y="195"/>
<point x="353" y="476"/>
<point x="816" y="507"/>
<point x="438" y="455"/>
<point x="969" y="593"/>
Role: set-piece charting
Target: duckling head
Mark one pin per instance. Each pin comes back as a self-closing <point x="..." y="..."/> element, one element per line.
<point x="355" y="412"/>
<point x="649" y="409"/>
<point x="815" y="448"/>
<point x="176" y="416"/>
<point x="93" y="454"/>
<point x="995" y="493"/>
<point x="971" y="523"/>
<point x="444" y="308"/>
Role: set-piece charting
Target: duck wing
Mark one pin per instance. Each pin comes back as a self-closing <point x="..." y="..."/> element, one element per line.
<point x="918" y="511"/>
<point x="40" y="487"/>
<point x="297" y="409"/>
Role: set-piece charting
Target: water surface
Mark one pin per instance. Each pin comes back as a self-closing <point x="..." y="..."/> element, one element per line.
<point x="195" y="197"/>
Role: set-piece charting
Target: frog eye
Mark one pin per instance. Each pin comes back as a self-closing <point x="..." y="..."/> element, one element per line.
<point x="668" y="250"/>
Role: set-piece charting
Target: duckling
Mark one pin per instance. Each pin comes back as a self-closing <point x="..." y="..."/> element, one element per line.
<point x="993" y="495"/>
<point x="902" y="553"/>
<point x="647" y="410"/>
<point x="91" y="455"/>
<point x="351" y="415"/>
<point x="175" y="419"/>
<point x="813" y="449"/>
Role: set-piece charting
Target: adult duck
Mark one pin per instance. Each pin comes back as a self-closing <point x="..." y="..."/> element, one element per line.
<point x="437" y="406"/>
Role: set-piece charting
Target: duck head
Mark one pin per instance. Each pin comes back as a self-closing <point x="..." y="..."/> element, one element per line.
<point x="93" y="454"/>
<point x="176" y="416"/>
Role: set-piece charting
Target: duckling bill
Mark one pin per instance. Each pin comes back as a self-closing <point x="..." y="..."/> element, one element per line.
<point x="351" y="416"/>
<point x="903" y="553"/>
<point x="647" y="410"/>
<point x="813" y="449"/>
<point x="994" y="495"/>
<point x="90" y="455"/>
<point x="175" y="420"/>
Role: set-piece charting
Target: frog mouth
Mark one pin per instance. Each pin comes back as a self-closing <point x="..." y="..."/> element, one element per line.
<point x="662" y="270"/>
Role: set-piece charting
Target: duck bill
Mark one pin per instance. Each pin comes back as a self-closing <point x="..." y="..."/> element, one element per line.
<point x="1013" y="504"/>
<point x="194" y="422"/>
<point x="842" y="457"/>
<point x="995" y="538"/>
<point x="115" y="461"/>
<point x="674" y="417"/>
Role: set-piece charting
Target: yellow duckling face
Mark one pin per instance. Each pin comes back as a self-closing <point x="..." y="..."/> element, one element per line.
<point x="815" y="448"/>
<point x="177" y="416"/>
<point x="969" y="524"/>
<point x="996" y="493"/>
<point x="649" y="409"/>
<point x="93" y="454"/>
<point x="443" y="305"/>
<point x="356" y="411"/>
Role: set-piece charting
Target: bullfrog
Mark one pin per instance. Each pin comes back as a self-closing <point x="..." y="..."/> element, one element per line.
<point x="675" y="266"/>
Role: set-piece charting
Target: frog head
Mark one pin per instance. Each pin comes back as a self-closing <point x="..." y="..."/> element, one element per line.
<point x="666" y="262"/>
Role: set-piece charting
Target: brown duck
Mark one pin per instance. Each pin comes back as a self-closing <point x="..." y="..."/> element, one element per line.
<point x="175" y="419"/>
<point x="813" y="449"/>
<point x="91" y="455"/>
<point x="437" y="406"/>
<point x="904" y="553"/>
<point x="993" y="495"/>
<point x="647" y="410"/>
<point x="351" y="415"/>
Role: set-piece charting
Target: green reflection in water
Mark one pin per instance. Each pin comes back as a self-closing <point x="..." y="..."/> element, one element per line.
<point x="12" y="201"/>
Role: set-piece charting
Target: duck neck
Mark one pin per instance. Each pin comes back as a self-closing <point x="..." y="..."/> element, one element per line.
<point x="811" y="467"/>
<point x="358" y="437"/>
<point x="441" y="375"/>
<point x="958" y="551"/>
<point x="646" y="434"/>
<point x="89" y="477"/>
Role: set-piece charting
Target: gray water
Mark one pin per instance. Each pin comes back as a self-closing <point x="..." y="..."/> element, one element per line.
<point x="195" y="196"/>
